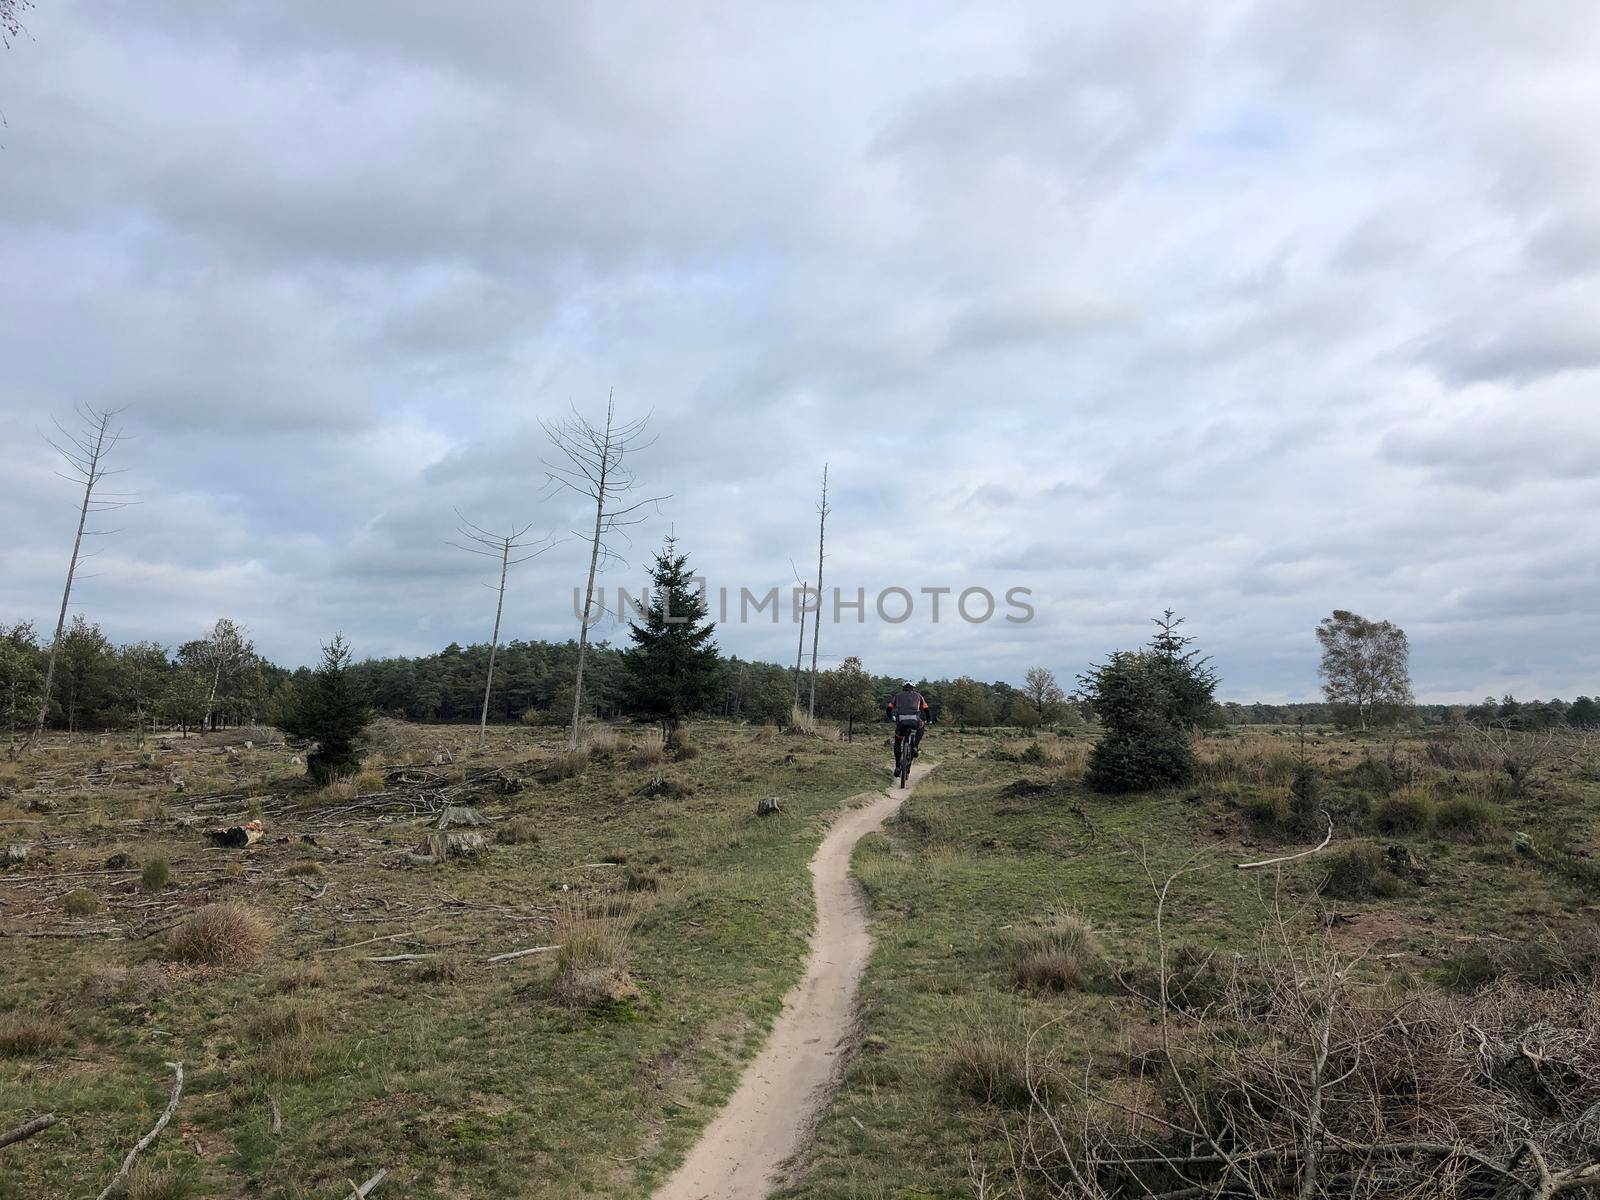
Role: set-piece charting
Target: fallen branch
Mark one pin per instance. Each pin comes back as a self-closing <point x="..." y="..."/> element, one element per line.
<point x="1269" y="862"/>
<point x="166" y="1115"/>
<point x="388" y="937"/>
<point x="28" y="1129"/>
<point x="520" y="953"/>
<point x="360" y="1193"/>
<point x="389" y="958"/>
<point x="58" y="933"/>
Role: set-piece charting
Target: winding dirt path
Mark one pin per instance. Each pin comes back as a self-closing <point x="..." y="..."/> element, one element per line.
<point x="782" y="1092"/>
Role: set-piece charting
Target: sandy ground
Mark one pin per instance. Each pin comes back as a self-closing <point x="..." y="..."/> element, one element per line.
<point x="784" y="1089"/>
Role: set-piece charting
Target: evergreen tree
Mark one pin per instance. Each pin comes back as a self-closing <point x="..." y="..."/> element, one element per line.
<point x="1149" y="701"/>
<point x="330" y="709"/>
<point x="673" y="664"/>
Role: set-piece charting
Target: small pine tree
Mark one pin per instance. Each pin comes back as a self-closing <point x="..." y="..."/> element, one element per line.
<point x="673" y="665"/>
<point x="1149" y="701"/>
<point x="329" y="709"/>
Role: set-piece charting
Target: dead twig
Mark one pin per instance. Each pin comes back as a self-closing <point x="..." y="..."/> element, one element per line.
<point x="166" y="1115"/>
<point x="520" y="953"/>
<point x="1270" y="862"/>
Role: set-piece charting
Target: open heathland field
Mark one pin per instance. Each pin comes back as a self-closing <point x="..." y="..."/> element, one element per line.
<point x="1025" y="1026"/>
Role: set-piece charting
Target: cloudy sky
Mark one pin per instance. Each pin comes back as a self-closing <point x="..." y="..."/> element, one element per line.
<point x="1254" y="310"/>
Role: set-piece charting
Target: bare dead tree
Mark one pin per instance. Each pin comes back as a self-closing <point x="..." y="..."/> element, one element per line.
<point x="597" y="467"/>
<point x="84" y="454"/>
<point x="800" y="646"/>
<point x="477" y="540"/>
<point x="816" y="622"/>
<point x="11" y="19"/>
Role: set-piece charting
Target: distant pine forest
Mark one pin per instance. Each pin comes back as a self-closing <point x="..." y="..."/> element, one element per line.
<point x="220" y="681"/>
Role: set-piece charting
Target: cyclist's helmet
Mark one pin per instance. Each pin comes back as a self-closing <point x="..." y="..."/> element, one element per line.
<point x="908" y="686"/>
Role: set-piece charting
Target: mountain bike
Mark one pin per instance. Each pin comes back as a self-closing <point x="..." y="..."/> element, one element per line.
<point x="904" y="753"/>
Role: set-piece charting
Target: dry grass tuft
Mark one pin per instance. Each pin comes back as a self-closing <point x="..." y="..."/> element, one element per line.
<point x="648" y="753"/>
<point x="564" y="764"/>
<point x="991" y="1065"/>
<point x="1061" y="955"/>
<point x="222" y="934"/>
<point x="437" y="970"/>
<point x="592" y="964"/>
<point x="122" y="985"/>
<point x="299" y="977"/>
<point x="519" y="831"/>
<point x="28" y="1035"/>
<point x="335" y="792"/>
<point x="305" y="866"/>
<point x="369" y="782"/>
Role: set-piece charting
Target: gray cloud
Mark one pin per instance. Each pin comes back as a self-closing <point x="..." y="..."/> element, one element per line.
<point x="1255" y="310"/>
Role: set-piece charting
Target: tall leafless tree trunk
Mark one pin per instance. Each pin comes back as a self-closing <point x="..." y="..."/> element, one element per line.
<point x="597" y="467"/>
<point x="84" y="454"/>
<point x="800" y="646"/>
<point x="816" y="622"/>
<point x="496" y="545"/>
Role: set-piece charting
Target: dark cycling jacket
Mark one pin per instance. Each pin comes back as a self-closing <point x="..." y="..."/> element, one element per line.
<point x="907" y="704"/>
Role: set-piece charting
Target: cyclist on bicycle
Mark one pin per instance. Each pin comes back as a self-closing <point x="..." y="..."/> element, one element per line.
<point x="909" y="712"/>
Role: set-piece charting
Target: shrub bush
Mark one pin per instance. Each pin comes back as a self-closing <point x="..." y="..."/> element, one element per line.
<point x="1359" y="873"/>
<point x="81" y="903"/>
<point x="1407" y="812"/>
<point x="1473" y="817"/>
<point x="157" y="874"/>
<point x="1267" y="808"/>
<point x="1035" y="755"/>
<point x="222" y="934"/>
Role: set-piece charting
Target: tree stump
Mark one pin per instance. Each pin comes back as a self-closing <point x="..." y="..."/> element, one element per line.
<point x="766" y="806"/>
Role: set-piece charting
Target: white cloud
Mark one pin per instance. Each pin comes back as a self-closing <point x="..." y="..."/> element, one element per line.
<point x="1253" y="309"/>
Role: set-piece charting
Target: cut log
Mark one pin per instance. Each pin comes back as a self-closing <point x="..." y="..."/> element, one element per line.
<point x="766" y="806"/>
<point x="237" y="837"/>
<point x="27" y="1129"/>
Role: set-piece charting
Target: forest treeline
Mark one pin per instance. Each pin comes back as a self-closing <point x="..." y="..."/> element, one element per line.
<point x="219" y="680"/>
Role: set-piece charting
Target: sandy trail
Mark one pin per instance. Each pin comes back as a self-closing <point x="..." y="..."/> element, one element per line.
<point x="783" y="1090"/>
